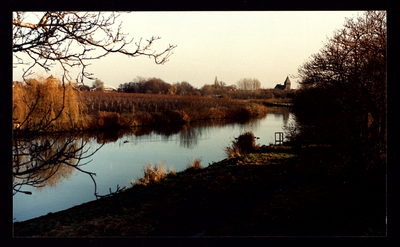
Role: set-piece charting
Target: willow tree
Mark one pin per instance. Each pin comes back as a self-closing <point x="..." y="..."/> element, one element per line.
<point x="343" y="87"/>
<point x="67" y="40"/>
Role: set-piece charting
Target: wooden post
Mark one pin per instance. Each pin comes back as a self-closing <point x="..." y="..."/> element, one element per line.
<point x="278" y="140"/>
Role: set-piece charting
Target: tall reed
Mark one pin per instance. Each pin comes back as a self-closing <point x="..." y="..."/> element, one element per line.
<point x="145" y="109"/>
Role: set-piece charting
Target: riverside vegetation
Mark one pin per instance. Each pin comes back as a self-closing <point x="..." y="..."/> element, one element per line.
<point x="48" y="104"/>
<point x="258" y="191"/>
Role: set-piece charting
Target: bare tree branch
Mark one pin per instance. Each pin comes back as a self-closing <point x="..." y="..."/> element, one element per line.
<point x="67" y="39"/>
<point x="50" y="40"/>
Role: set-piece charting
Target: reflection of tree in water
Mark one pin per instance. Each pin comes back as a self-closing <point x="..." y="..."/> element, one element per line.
<point x="280" y="111"/>
<point x="47" y="160"/>
<point x="189" y="138"/>
<point x="109" y="136"/>
<point x="188" y="133"/>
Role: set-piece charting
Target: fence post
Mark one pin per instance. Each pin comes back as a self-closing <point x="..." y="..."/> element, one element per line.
<point x="278" y="140"/>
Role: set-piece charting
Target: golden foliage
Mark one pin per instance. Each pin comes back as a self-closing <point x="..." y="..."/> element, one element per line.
<point x="45" y="104"/>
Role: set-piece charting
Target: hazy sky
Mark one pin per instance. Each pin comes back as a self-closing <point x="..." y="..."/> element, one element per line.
<point x="267" y="45"/>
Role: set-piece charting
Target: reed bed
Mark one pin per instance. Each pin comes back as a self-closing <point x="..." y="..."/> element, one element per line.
<point x="146" y="109"/>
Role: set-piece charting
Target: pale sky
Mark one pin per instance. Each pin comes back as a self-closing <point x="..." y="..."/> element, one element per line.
<point x="266" y="45"/>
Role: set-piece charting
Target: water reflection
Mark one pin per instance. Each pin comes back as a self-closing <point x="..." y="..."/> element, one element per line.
<point x="280" y="111"/>
<point x="122" y="157"/>
<point x="46" y="160"/>
<point x="188" y="133"/>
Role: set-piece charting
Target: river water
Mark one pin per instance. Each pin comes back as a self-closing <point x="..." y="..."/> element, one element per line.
<point x="122" y="158"/>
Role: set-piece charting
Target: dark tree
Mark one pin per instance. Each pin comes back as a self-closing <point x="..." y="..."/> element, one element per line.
<point x="342" y="99"/>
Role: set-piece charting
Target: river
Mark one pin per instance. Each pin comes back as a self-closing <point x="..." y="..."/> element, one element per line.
<point x="124" y="153"/>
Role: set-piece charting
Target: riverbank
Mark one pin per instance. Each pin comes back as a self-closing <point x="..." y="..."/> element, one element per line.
<point x="276" y="190"/>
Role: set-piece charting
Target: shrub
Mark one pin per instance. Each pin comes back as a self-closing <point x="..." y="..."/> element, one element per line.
<point x="244" y="144"/>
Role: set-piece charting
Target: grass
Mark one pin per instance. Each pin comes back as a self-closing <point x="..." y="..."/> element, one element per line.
<point x="272" y="192"/>
<point x="194" y="165"/>
<point x="152" y="174"/>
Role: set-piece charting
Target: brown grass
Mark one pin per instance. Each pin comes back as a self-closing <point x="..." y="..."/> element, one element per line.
<point x="194" y="165"/>
<point x="152" y="174"/>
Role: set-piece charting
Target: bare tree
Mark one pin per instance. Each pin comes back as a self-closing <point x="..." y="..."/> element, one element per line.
<point x="248" y="84"/>
<point x="69" y="39"/>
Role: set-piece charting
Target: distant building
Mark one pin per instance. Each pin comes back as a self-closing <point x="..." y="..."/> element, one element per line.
<point x="285" y="86"/>
<point x="109" y="89"/>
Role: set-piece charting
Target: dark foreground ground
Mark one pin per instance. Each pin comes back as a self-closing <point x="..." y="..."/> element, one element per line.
<point x="275" y="192"/>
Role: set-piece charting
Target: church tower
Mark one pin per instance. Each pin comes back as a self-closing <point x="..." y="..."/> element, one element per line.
<point x="287" y="84"/>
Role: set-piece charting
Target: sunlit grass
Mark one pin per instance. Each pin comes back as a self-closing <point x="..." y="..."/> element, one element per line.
<point x="195" y="164"/>
<point x="152" y="174"/>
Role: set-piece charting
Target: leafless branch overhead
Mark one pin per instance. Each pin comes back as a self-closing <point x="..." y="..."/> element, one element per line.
<point x="70" y="38"/>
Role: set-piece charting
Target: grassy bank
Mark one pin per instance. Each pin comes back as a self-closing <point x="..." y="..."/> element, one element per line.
<point x="272" y="191"/>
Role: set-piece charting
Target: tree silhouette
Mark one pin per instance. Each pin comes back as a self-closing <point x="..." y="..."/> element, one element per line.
<point x="342" y="99"/>
<point x="69" y="39"/>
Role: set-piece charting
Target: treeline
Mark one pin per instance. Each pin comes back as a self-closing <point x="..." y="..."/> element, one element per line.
<point x="246" y="88"/>
<point x="157" y="86"/>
